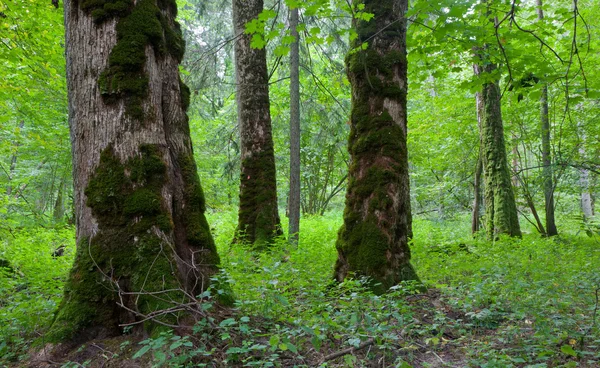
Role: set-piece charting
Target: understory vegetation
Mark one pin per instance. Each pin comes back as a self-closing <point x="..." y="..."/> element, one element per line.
<point x="530" y="302"/>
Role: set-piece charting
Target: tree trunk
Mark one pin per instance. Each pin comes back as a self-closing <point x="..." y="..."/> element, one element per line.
<point x="373" y="241"/>
<point x="144" y="248"/>
<point x="58" y="212"/>
<point x="546" y="158"/>
<point x="500" y="206"/>
<point x="294" y="198"/>
<point x="13" y="162"/>
<point x="258" y="220"/>
<point x="475" y="220"/>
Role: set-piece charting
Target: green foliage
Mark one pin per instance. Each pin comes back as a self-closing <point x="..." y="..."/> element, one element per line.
<point x="31" y="284"/>
<point x="511" y="303"/>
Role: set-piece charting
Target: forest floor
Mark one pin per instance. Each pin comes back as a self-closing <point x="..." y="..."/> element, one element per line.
<point x="529" y="302"/>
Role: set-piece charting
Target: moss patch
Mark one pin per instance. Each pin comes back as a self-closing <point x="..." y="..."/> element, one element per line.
<point x="145" y="23"/>
<point x="125" y="256"/>
<point x="197" y="230"/>
<point x="258" y="216"/>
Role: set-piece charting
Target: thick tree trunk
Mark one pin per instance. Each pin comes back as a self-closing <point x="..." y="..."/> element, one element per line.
<point x="373" y="240"/>
<point x="144" y="247"/>
<point x="547" y="173"/>
<point x="500" y="206"/>
<point x="258" y="220"/>
<point x="294" y="197"/>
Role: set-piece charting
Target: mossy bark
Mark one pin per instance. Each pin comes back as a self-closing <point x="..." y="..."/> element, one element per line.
<point x="143" y="244"/>
<point x="373" y="241"/>
<point x="500" y="207"/>
<point x="258" y="219"/>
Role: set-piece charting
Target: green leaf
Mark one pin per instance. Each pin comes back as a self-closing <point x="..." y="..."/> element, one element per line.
<point x="141" y="352"/>
<point x="227" y="322"/>
<point x="274" y="340"/>
<point x="568" y="349"/>
<point x="257" y="41"/>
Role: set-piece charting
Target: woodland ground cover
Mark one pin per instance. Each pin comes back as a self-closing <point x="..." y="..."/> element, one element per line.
<point x="530" y="302"/>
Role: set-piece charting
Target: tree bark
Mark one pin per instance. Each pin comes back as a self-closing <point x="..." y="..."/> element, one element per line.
<point x="475" y="219"/>
<point x="587" y="203"/>
<point x="547" y="173"/>
<point x="373" y="241"/>
<point x="258" y="219"/>
<point x="294" y="197"/>
<point x="13" y="162"/>
<point x="500" y="206"/>
<point x="143" y="243"/>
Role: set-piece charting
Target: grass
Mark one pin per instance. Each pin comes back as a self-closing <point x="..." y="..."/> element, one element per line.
<point x="529" y="302"/>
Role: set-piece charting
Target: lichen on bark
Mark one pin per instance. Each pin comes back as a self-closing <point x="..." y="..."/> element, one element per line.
<point x="373" y="240"/>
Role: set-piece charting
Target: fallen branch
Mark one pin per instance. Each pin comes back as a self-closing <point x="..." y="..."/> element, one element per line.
<point x="353" y="349"/>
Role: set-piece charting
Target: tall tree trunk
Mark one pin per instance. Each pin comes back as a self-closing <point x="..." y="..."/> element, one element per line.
<point x="547" y="173"/>
<point x="144" y="247"/>
<point x="500" y="206"/>
<point x="373" y="241"/>
<point x="258" y="220"/>
<point x="294" y="197"/>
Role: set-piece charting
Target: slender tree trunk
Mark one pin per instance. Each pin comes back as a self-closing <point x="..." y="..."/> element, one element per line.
<point x="59" y="205"/>
<point x="373" y="241"/>
<point x="13" y="162"/>
<point x="144" y="247"/>
<point x="547" y="173"/>
<point x="475" y="219"/>
<point x="501" y="209"/>
<point x="258" y="219"/>
<point x="294" y="197"/>
<point x="587" y="204"/>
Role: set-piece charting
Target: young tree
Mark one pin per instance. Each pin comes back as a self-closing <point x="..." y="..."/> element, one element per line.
<point x="373" y="241"/>
<point x="294" y="198"/>
<point x="546" y="158"/>
<point x="144" y="248"/>
<point x="258" y="221"/>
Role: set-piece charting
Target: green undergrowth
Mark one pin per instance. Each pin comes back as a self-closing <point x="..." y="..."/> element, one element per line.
<point x="527" y="302"/>
<point x="36" y="261"/>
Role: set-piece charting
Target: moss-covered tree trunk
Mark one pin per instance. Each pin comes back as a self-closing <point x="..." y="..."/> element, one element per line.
<point x="373" y="241"/>
<point x="143" y="244"/>
<point x="500" y="207"/>
<point x="258" y="220"/>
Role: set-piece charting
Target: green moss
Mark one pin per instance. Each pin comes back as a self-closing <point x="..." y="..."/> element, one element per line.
<point x="196" y="227"/>
<point x="125" y="198"/>
<point x="102" y="10"/>
<point x="258" y="217"/>
<point x="139" y="26"/>
<point x="373" y="240"/>
<point x="185" y="93"/>
<point x="197" y="230"/>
